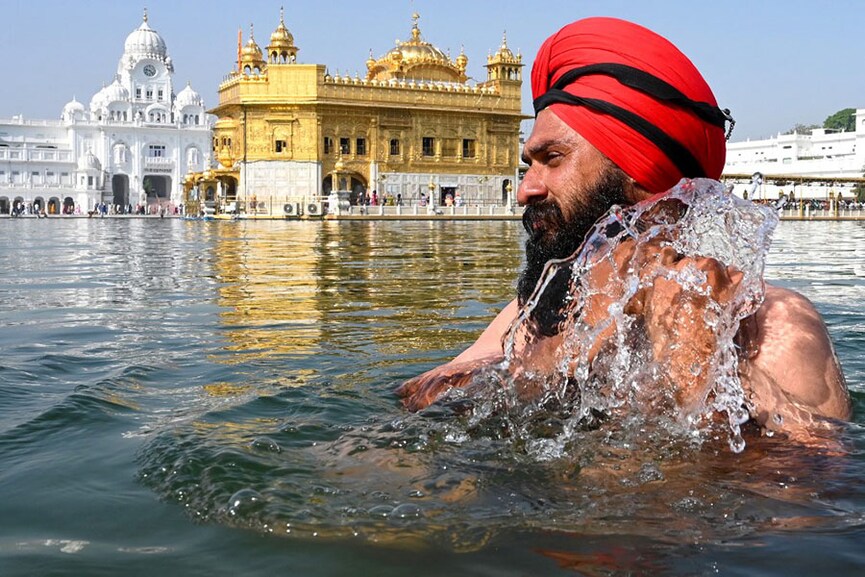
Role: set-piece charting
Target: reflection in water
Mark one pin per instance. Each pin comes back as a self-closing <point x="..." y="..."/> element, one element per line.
<point x="268" y="291"/>
<point x="298" y="288"/>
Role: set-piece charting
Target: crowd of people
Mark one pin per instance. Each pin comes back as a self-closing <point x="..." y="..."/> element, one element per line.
<point x="20" y="209"/>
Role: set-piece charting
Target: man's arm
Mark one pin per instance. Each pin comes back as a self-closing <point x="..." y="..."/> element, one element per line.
<point x="423" y="390"/>
<point x="795" y="375"/>
<point x="490" y="341"/>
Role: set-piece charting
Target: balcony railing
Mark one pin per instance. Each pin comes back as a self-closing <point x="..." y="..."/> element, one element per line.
<point x="158" y="162"/>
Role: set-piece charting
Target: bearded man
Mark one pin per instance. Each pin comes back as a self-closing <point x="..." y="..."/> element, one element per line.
<point x="622" y="116"/>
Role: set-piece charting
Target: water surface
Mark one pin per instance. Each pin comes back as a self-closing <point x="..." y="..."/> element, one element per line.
<point x="216" y="398"/>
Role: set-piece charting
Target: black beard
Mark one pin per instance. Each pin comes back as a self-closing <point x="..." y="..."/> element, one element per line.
<point x="551" y="236"/>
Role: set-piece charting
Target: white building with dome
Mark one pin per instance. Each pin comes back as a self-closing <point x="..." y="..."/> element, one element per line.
<point x="129" y="148"/>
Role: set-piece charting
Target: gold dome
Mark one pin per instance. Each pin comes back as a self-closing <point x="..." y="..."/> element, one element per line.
<point x="462" y="60"/>
<point x="281" y="49"/>
<point x="504" y="54"/>
<point x="416" y="59"/>
<point x="251" y="56"/>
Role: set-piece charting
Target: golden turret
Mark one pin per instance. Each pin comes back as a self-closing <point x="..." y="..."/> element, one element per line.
<point x="251" y="59"/>
<point x="281" y="49"/>
<point x="504" y="65"/>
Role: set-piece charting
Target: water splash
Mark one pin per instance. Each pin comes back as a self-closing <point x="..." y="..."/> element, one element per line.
<point x="642" y="324"/>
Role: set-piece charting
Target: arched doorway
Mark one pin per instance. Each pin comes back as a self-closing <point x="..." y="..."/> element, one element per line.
<point x="505" y="194"/>
<point x="5" y="205"/>
<point x="38" y="205"/>
<point x="352" y="182"/>
<point x="229" y="187"/>
<point x="120" y="190"/>
<point x="53" y="205"/>
<point x="68" y="205"/>
<point x="157" y="189"/>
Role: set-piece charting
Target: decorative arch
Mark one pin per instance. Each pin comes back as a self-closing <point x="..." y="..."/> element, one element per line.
<point x="157" y="113"/>
<point x="352" y="182"/>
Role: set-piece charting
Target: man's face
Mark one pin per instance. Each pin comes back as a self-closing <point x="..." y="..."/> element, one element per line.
<point x="568" y="187"/>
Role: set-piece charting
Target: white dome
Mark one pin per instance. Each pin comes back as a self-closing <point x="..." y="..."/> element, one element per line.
<point x="73" y="107"/>
<point x="89" y="162"/>
<point x="115" y="92"/>
<point x="145" y="42"/>
<point x="98" y="100"/>
<point x="188" y="97"/>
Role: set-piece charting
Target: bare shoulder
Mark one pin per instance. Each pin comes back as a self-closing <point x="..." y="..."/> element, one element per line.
<point x="796" y="372"/>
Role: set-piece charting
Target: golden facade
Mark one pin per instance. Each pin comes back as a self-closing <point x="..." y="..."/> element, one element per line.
<point x="290" y="132"/>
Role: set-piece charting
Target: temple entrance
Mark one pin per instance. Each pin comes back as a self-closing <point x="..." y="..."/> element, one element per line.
<point x="505" y="194"/>
<point x="53" y="205"/>
<point x="229" y="188"/>
<point x="5" y="205"/>
<point x="120" y="190"/>
<point x="447" y="194"/>
<point x="352" y="182"/>
<point x="157" y="189"/>
<point x="68" y="205"/>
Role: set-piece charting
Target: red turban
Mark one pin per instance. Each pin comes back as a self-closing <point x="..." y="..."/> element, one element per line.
<point x="635" y="97"/>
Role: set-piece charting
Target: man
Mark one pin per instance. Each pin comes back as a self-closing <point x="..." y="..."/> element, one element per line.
<point x="621" y="116"/>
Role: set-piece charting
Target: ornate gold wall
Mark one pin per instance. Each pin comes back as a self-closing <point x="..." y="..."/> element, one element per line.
<point x="284" y="127"/>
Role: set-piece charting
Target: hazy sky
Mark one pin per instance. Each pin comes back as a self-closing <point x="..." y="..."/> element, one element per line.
<point x="774" y="63"/>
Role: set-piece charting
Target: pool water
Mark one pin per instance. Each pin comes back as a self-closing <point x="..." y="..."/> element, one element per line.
<point x="217" y="398"/>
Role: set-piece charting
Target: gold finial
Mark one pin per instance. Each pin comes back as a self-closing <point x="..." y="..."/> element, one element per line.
<point x="251" y="35"/>
<point x="281" y="15"/>
<point x="415" y="31"/>
<point x="505" y="39"/>
<point x="145" y="13"/>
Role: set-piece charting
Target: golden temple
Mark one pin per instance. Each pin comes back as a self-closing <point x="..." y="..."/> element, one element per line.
<point x="289" y="134"/>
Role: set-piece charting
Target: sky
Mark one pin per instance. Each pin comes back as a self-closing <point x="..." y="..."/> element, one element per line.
<point x="773" y="63"/>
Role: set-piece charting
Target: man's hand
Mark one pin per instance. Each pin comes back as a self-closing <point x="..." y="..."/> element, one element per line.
<point x="421" y="391"/>
<point x="682" y="301"/>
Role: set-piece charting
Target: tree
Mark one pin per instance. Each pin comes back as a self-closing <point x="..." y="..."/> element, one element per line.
<point x="843" y="120"/>
<point x="802" y="129"/>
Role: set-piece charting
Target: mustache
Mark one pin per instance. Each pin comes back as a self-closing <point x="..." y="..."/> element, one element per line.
<point x="541" y="218"/>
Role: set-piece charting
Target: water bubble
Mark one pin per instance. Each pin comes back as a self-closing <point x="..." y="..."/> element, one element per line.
<point x="244" y="501"/>
<point x="380" y="511"/>
<point x="266" y="444"/>
<point x="407" y="511"/>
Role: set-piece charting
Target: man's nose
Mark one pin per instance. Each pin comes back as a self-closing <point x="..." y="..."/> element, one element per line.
<point x="532" y="188"/>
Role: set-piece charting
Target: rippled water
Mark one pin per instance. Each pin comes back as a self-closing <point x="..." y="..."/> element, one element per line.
<point x="214" y="398"/>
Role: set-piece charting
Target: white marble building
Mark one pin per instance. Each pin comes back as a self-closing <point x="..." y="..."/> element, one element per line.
<point x="130" y="147"/>
<point x="821" y="154"/>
